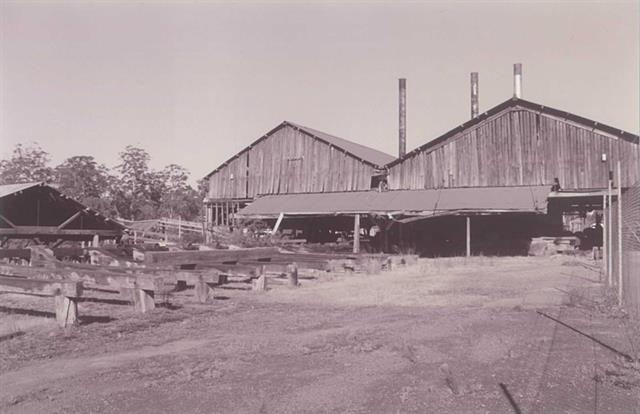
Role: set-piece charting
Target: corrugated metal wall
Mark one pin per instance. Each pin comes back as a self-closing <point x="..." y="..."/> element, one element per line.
<point x="518" y="147"/>
<point x="289" y="161"/>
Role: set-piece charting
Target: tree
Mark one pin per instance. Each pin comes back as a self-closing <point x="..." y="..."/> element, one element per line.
<point x="138" y="190"/>
<point x="179" y="198"/>
<point x="82" y="178"/>
<point x="27" y="164"/>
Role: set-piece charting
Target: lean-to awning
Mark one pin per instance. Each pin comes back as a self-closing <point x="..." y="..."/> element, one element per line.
<point x="476" y="200"/>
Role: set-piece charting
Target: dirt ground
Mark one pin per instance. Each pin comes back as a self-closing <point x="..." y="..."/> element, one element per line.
<point x="437" y="337"/>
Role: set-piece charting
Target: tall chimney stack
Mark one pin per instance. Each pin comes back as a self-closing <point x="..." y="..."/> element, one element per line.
<point x="474" y="95"/>
<point x="517" y="80"/>
<point x="402" y="144"/>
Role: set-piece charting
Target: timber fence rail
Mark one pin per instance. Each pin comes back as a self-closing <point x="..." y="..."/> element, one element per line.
<point x="162" y="228"/>
<point x="624" y="268"/>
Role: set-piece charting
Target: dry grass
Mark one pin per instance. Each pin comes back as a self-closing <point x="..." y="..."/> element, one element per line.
<point x="12" y="324"/>
<point x="476" y="281"/>
<point x="16" y="317"/>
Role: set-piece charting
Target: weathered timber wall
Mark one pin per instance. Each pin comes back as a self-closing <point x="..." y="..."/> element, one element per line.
<point x="289" y="161"/>
<point x="518" y="147"/>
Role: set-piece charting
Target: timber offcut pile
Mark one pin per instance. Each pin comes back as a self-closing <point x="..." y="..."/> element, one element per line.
<point x="547" y="246"/>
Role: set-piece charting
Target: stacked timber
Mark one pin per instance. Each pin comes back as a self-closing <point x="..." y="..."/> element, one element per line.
<point x="547" y="246"/>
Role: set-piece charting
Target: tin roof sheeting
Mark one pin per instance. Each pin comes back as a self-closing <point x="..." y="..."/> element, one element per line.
<point x="410" y="202"/>
<point x="363" y="152"/>
<point x="8" y="189"/>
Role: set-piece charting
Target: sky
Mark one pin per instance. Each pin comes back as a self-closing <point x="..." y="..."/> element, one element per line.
<point x="193" y="83"/>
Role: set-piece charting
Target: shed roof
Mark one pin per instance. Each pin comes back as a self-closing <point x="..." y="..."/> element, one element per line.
<point x="69" y="203"/>
<point x="8" y="189"/>
<point x="515" y="103"/>
<point x="366" y="154"/>
<point x="363" y="152"/>
<point x="528" y="199"/>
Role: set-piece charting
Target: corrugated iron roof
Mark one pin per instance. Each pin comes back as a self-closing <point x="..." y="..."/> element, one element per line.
<point x="515" y="103"/>
<point x="368" y="155"/>
<point x="363" y="152"/>
<point x="408" y="202"/>
<point x="8" y="189"/>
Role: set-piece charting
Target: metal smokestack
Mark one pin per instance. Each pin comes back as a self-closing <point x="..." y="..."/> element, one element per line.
<point x="402" y="142"/>
<point x="474" y="95"/>
<point x="517" y="80"/>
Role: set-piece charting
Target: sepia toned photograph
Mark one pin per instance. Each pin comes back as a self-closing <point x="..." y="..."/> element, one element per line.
<point x="318" y="207"/>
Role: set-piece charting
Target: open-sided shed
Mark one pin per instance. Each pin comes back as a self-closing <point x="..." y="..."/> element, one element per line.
<point x="427" y="221"/>
<point x="40" y="212"/>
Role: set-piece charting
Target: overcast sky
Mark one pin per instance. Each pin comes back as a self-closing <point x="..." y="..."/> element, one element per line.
<point x="194" y="83"/>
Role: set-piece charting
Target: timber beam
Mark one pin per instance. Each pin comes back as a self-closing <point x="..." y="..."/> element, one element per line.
<point x="140" y="288"/>
<point x="69" y="220"/>
<point x="65" y="295"/>
<point x="35" y="231"/>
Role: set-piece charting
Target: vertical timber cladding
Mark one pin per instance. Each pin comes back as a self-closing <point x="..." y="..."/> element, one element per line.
<point x="289" y="161"/>
<point x="518" y="146"/>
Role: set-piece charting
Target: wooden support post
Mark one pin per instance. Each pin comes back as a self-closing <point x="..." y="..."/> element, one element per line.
<point x="356" y="233"/>
<point x="143" y="300"/>
<point x="603" y="224"/>
<point x="292" y="274"/>
<point x="65" y="294"/>
<point x="96" y="241"/>
<point x="204" y="291"/>
<point x="610" y="233"/>
<point x="235" y="218"/>
<point x="260" y="284"/>
<point x="468" y="236"/>
<point x="66" y="310"/>
<point x="7" y="221"/>
<point x="278" y="222"/>
<point x="69" y="220"/>
<point x="619" y="234"/>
